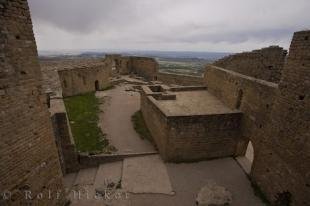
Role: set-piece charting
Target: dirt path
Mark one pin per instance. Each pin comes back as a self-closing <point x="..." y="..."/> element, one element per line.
<point x="115" y="121"/>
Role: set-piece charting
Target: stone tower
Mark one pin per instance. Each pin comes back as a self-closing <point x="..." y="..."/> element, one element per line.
<point x="282" y="165"/>
<point x="29" y="165"/>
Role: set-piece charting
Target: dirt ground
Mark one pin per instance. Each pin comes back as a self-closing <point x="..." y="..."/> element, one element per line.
<point x="115" y="120"/>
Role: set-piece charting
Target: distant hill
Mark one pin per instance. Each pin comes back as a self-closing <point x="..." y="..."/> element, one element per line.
<point x="172" y="55"/>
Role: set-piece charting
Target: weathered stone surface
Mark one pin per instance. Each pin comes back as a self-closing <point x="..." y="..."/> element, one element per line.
<point x="146" y="174"/>
<point x="28" y="154"/>
<point x="276" y="120"/>
<point x="178" y="79"/>
<point x="213" y="195"/>
<point x="142" y="66"/>
<point x="266" y="63"/>
<point x="190" y="123"/>
<point x="79" y="80"/>
<point x="86" y="176"/>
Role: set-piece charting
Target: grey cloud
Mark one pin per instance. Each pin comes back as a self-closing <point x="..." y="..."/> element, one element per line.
<point x="82" y="16"/>
<point x="138" y="23"/>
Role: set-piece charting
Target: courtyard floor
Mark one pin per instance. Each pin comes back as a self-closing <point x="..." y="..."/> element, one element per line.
<point x="115" y="119"/>
<point x="147" y="180"/>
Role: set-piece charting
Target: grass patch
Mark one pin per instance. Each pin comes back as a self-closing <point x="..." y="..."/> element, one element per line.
<point x="83" y="113"/>
<point x="140" y="126"/>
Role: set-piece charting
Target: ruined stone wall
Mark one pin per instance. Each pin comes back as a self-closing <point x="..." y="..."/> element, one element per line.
<point x="28" y="154"/>
<point x="266" y="63"/>
<point x="156" y="123"/>
<point x="254" y="97"/>
<point x="144" y="67"/>
<point x="201" y="137"/>
<point x="177" y="79"/>
<point x="282" y="164"/>
<point x="190" y="137"/>
<point x="276" y="120"/>
<point x="82" y="80"/>
<point x="65" y="144"/>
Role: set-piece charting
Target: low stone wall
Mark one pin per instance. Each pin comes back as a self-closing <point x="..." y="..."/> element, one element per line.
<point x="84" y="79"/>
<point x="66" y="148"/>
<point x="177" y="79"/>
<point x="88" y="161"/>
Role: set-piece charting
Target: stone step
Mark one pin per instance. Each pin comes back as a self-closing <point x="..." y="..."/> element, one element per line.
<point x="108" y="173"/>
<point x="86" y="176"/>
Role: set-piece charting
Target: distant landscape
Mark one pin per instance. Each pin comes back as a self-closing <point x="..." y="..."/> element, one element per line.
<point x="190" y="63"/>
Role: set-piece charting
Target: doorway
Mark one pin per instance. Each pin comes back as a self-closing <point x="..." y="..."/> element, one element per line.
<point x="97" y="85"/>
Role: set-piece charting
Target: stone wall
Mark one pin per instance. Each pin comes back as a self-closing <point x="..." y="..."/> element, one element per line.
<point x="276" y="120"/>
<point x="177" y="79"/>
<point x="28" y="154"/>
<point x="201" y="137"/>
<point x="182" y="138"/>
<point x="144" y="67"/>
<point x="254" y="97"/>
<point x="282" y="164"/>
<point x="66" y="148"/>
<point x="266" y="63"/>
<point x="156" y="123"/>
<point x="78" y="80"/>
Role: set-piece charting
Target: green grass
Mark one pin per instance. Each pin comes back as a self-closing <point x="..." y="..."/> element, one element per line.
<point x="140" y="126"/>
<point x="83" y="116"/>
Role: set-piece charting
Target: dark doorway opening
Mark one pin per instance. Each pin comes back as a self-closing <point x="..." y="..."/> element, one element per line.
<point x="239" y="99"/>
<point x="97" y="85"/>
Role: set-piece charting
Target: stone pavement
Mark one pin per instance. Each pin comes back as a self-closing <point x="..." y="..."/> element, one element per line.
<point x="186" y="180"/>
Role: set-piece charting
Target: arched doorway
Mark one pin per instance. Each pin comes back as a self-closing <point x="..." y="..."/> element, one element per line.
<point x="246" y="161"/>
<point x="97" y="85"/>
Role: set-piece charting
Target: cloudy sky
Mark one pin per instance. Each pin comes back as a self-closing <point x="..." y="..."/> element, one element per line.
<point x="170" y="25"/>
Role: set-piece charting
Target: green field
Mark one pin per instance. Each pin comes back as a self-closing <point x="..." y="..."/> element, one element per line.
<point x="192" y="67"/>
<point x="83" y="113"/>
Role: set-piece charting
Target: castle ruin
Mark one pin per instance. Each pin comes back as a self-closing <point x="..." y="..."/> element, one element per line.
<point x="260" y="97"/>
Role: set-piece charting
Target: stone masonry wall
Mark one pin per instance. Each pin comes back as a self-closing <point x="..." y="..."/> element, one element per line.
<point x="266" y="63"/>
<point x="156" y="123"/>
<point x="282" y="164"/>
<point x="177" y="79"/>
<point x="28" y="154"/>
<point x="144" y="67"/>
<point x="251" y="96"/>
<point x="66" y="147"/>
<point x="276" y="120"/>
<point x="190" y="138"/>
<point x="201" y="137"/>
<point x="85" y="79"/>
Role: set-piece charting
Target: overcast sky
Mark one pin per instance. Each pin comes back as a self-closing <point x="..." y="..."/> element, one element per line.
<point x="170" y="25"/>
